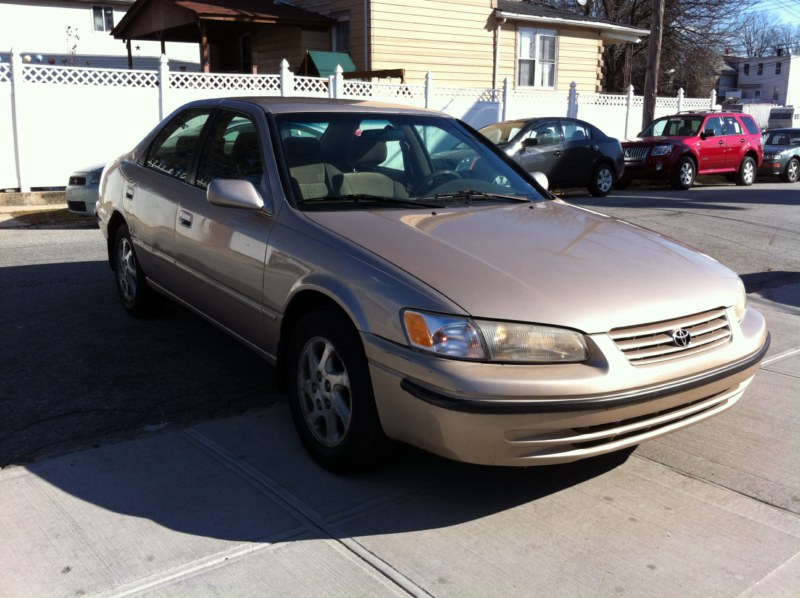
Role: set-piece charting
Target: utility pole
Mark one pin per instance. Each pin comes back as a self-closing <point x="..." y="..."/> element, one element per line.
<point x="653" y="60"/>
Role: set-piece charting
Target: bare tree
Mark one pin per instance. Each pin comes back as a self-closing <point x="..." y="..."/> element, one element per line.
<point x="695" y="35"/>
<point x="756" y="34"/>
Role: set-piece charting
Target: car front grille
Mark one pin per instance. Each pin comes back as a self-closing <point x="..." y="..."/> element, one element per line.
<point x="673" y="339"/>
<point x="77" y="180"/>
<point x="635" y="153"/>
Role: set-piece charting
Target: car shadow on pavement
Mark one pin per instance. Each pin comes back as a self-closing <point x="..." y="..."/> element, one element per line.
<point x="774" y="286"/>
<point x="78" y="370"/>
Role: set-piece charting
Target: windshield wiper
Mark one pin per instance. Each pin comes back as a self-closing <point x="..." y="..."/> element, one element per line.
<point x="468" y="195"/>
<point x="363" y="197"/>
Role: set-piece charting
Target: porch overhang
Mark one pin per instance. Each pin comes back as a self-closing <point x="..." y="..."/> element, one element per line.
<point x="610" y="32"/>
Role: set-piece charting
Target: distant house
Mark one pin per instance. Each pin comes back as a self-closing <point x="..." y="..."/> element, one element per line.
<point x="774" y="79"/>
<point x="770" y="80"/>
<point x="467" y="43"/>
<point x="78" y="33"/>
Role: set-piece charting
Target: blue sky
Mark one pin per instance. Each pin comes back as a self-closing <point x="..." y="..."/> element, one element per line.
<point x="787" y="10"/>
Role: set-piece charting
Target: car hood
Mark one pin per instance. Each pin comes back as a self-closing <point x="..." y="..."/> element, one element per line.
<point x="549" y="263"/>
<point x="640" y="141"/>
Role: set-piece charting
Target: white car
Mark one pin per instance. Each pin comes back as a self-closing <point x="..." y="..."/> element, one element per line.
<point x="83" y="188"/>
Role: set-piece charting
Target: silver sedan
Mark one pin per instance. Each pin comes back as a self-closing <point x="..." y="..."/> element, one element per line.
<point x="414" y="292"/>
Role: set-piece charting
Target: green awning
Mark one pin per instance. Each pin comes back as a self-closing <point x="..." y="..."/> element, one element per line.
<point x="323" y="64"/>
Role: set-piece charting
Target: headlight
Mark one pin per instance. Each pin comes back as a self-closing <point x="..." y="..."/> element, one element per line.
<point x="486" y="340"/>
<point x="96" y="177"/>
<point x="662" y="150"/>
<point x="741" y="302"/>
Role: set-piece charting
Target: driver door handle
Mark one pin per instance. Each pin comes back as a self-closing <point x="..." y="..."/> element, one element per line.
<point x="185" y="219"/>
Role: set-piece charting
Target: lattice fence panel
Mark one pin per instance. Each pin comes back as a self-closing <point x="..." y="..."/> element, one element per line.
<point x="89" y="76"/>
<point x="5" y="73"/>
<point x="667" y="103"/>
<point x="383" y="91"/>
<point x="230" y="82"/>
<point x="602" y="99"/>
<point x="696" y="104"/>
<point x="313" y="86"/>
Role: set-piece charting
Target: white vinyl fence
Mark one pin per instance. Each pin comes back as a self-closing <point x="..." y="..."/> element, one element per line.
<point x="57" y="119"/>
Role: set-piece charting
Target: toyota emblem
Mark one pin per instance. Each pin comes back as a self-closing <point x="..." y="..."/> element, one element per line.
<point x="682" y="337"/>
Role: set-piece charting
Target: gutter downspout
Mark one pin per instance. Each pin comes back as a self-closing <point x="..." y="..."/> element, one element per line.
<point x="496" y="65"/>
<point x="367" y="35"/>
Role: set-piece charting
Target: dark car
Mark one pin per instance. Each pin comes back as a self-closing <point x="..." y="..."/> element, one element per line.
<point x="571" y="152"/>
<point x="680" y="147"/>
<point x="781" y="154"/>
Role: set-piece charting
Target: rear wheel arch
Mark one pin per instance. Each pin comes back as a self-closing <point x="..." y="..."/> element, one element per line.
<point x="114" y="223"/>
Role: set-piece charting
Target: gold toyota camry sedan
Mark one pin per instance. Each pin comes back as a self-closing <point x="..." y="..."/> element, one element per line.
<point x="412" y="283"/>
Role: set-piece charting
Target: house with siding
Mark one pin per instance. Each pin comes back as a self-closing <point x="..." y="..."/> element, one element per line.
<point x="465" y="43"/>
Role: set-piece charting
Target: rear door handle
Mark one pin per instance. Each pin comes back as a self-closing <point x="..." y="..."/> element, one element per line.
<point x="185" y="219"/>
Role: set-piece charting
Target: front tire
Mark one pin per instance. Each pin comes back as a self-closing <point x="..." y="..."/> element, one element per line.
<point x="136" y="297"/>
<point x="792" y="172"/>
<point x="330" y="394"/>
<point x="747" y="172"/>
<point x="602" y="181"/>
<point x="685" y="174"/>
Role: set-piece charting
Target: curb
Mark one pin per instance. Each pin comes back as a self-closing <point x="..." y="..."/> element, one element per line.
<point x="34" y="198"/>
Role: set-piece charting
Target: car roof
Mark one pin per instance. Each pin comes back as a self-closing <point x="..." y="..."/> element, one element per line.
<point x="292" y="105"/>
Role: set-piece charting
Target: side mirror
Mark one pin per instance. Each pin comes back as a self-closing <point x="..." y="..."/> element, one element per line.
<point x="708" y="133"/>
<point x="234" y="193"/>
<point x="541" y="178"/>
<point x="529" y="142"/>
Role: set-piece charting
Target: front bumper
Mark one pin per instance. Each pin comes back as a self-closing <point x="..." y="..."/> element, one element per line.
<point x="502" y="415"/>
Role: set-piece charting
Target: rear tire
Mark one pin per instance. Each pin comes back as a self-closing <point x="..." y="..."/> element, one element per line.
<point x="330" y="394"/>
<point x="136" y="297"/>
<point x="602" y="181"/>
<point x="747" y="172"/>
<point x="685" y="174"/>
<point x="792" y="172"/>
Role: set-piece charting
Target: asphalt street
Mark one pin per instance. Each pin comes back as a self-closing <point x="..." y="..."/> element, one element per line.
<point x="156" y="457"/>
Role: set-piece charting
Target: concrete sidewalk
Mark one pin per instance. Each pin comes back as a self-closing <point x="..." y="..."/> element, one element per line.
<point x="234" y="507"/>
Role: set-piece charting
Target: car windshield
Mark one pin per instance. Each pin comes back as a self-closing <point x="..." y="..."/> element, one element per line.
<point x="374" y="160"/>
<point x="673" y="126"/>
<point x="782" y="137"/>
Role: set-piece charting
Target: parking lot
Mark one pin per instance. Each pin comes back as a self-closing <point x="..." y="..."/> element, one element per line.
<point x="158" y="457"/>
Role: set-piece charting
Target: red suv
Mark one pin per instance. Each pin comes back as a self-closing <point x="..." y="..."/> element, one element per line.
<point x="680" y="147"/>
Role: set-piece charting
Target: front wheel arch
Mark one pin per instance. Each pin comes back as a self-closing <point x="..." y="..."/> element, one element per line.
<point x="330" y="392"/>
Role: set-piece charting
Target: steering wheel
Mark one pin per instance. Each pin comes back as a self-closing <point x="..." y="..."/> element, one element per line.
<point x="439" y="176"/>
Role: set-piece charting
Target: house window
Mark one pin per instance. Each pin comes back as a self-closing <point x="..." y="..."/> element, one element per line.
<point x="341" y="35"/>
<point x="536" y="59"/>
<point x="778" y="67"/>
<point x="103" y="18"/>
<point x="757" y="94"/>
<point x="760" y="69"/>
<point x="746" y="68"/>
<point x="775" y="94"/>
